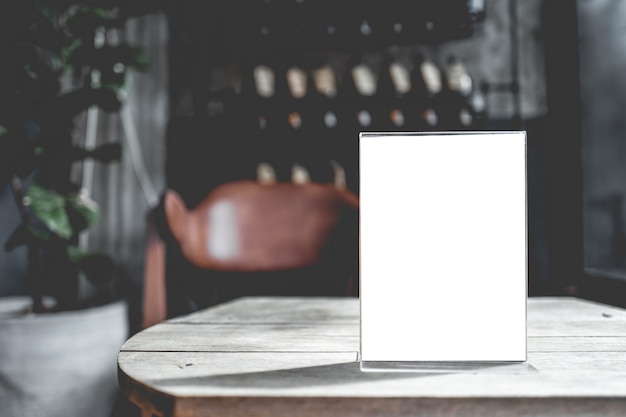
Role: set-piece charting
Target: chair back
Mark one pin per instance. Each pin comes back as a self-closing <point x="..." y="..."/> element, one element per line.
<point x="248" y="226"/>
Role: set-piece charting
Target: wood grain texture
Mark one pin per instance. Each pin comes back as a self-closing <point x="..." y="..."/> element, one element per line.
<point x="283" y="310"/>
<point x="299" y="356"/>
<point x="247" y="338"/>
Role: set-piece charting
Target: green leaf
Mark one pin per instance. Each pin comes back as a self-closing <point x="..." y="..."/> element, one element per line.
<point x="3" y="130"/>
<point x="140" y="58"/>
<point x="109" y="99"/>
<point x="98" y="267"/>
<point x="75" y="255"/>
<point x="43" y="31"/>
<point x="85" y="207"/>
<point x="111" y="58"/>
<point x="116" y="80"/>
<point x="49" y="207"/>
<point x="67" y="52"/>
<point x="59" y="114"/>
<point x="85" y="19"/>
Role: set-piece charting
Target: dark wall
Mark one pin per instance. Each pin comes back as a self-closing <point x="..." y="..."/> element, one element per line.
<point x="603" y="151"/>
<point x="603" y="124"/>
<point x="561" y="145"/>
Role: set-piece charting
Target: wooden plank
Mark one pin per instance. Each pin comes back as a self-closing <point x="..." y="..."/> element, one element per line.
<point x="576" y="344"/>
<point x="279" y="310"/>
<point x="339" y="375"/>
<point x="161" y="369"/>
<point x="343" y="310"/>
<point x="246" y="338"/>
<point x="254" y="338"/>
<point x="607" y="367"/>
<point x="579" y="328"/>
<point x="568" y="309"/>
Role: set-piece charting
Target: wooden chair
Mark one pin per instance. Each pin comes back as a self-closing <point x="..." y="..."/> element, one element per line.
<point x="261" y="237"/>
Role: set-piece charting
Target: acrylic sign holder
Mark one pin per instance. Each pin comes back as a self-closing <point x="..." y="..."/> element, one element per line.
<point x="443" y="250"/>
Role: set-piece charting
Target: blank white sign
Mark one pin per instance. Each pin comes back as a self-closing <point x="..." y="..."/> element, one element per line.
<point x="443" y="247"/>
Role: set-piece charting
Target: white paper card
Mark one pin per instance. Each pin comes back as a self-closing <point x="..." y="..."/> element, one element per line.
<point x="443" y="247"/>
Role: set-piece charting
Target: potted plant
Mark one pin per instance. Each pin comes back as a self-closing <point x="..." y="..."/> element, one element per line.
<point x="57" y="62"/>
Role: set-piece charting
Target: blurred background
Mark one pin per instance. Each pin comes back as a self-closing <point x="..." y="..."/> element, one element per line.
<point x="554" y="71"/>
<point x="199" y="116"/>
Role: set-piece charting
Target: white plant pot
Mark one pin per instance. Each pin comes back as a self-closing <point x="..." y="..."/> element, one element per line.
<point x="60" y="364"/>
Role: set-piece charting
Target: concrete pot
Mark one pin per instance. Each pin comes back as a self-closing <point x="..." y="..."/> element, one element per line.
<point x="59" y="364"/>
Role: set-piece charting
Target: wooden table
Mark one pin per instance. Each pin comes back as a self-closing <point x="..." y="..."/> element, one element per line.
<point x="258" y="357"/>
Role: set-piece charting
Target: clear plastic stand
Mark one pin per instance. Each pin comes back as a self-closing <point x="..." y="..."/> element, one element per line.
<point x="513" y="367"/>
<point x="443" y="252"/>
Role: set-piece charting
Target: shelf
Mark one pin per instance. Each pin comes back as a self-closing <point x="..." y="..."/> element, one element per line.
<point x="262" y="26"/>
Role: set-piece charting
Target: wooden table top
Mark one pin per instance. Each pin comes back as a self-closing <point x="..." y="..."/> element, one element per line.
<point x="276" y="356"/>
